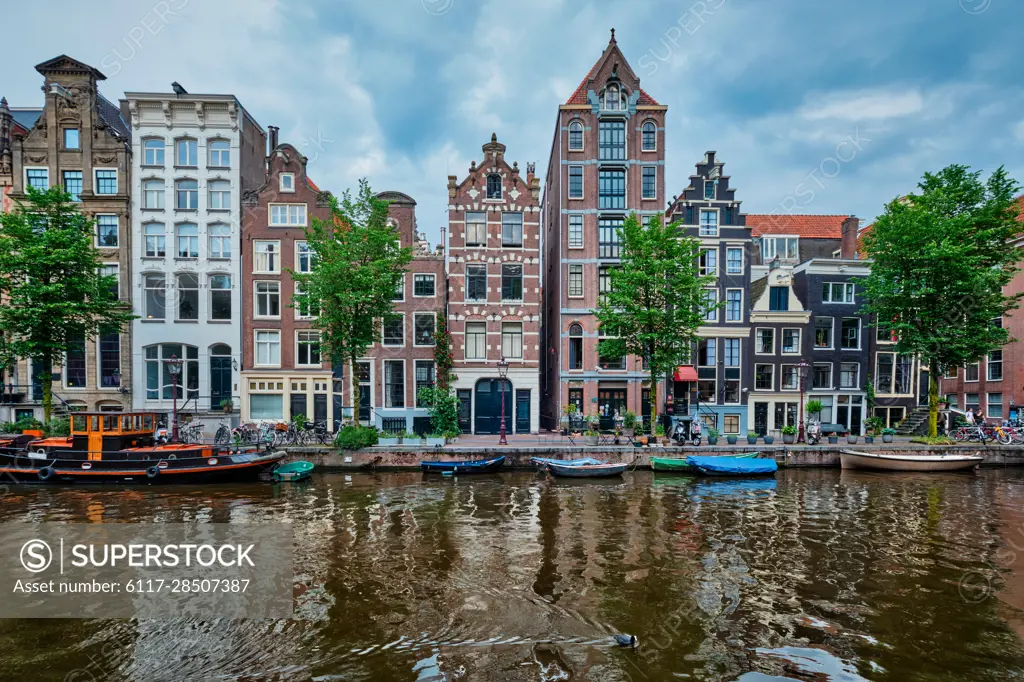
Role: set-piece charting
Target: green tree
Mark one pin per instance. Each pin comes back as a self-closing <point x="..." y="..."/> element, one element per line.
<point x="51" y="284"/>
<point x="359" y="262"/>
<point x="941" y="259"/>
<point x="444" y="359"/>
<point x="656" y="302"/>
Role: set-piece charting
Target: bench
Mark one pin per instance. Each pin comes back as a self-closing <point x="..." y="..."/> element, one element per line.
<point x="834" y="429"/>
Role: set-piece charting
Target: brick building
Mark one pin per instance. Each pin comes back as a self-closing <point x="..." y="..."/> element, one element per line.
<point x="493" y="256"/>
<point x="607" y="160"/>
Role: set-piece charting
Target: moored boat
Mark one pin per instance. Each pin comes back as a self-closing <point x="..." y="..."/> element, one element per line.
<point x="603" y="470"/>
<point x="293" y="471"/>
<point x="680" y="463"/>
<point x="542" y="462"/>
<point x="732" y="466"/>
<point x="481" y="466"/>
<point x="854" y="459"/>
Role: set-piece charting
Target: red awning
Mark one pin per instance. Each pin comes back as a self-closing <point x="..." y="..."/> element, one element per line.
<point x="685" y="373"/>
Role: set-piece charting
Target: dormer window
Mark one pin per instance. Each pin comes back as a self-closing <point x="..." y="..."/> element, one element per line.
<point x="709" y="189"/>
<point x="612" y="102"/>
<point x="287" y="182"/>
<point x="494" y="186"/>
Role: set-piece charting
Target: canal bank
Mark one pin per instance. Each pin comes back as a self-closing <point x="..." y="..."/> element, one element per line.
<point x="818" y="456"/>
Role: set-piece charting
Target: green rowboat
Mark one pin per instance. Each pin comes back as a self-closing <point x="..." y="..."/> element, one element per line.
<point x="293" y="471"/>
<point x="679" y="463"/>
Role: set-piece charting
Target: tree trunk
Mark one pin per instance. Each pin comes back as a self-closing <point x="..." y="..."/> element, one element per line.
<point x="654" y="401"/>
<point x="933" y="398"/>
<point x="47" y="382"/>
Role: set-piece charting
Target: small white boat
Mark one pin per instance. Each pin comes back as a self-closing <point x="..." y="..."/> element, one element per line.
<point x="853" y="459"/>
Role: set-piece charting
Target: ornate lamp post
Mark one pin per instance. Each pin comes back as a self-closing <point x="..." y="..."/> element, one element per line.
<point x="802" y="368"/>
<point x="174" y="369"/>
<point x="502" y="373"/>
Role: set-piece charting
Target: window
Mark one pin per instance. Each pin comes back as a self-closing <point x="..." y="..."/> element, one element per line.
<point x="476" y="340"/>
<point x="950" y="373"/>
<point x="393" y="330"/>
<point x="512" y="340"/>
<point x="220" y="195"/>
<point x="951" y="399"/>
<point x="220" y="240"/>
<point x="893" y="373"/>
<point x="837" y="292"/>
<point x="575" y="182"/>
<point x="160" y="383"/>
<point x="155" y="240"/>
<point x="220" y="153"/>
<point x="220" y="297"/>
<point x="765" y="341"/>
<point x="153" y="194"/>
<point x="511" y="229"/>
<point x="994" y="406"/>
<point x="400" y="289"/>
<point x="612" y="100"/>
<point x="476" y="229"/>
<point x="734" y="305"/>
<point x="424" y="379"/>
<point x="476" y="282"/>
<point x="995" y="366"/>
<point x="110" y="359"/>
<point x="423" y="329"/>
<point x="156" y="296"/>
<point x="850" y="334"/>
<point x="511" y="282"/>
<point x="706" y="352"/>
<point x="269" y="406"/>
<point x="422" y="284"/>
<point x="106" y="230"/>
<point x="731" y="423"/>
<point x="576" y="231"/>
<point x="790" y="378"/>
<point x="611" y="189"/>
<point x="604" y="359"/>
<point x="731" y="352"/>
<point x="708" y="223"/>
<point x="778" y="299"/>
<point x="106" y="181"/>
<point x="822" y="332"/>
<point x="188" y="240"/>
<point x="649" y="185"/>
<point x="286" y="182"/>
<point x="708" y="262"/>
<point x="186" y="195"/>
<point x="849" y="375"/>
<point x="268" y="347"/>
<point x="267" y="259"/>
<point x="305" y="308"/>
<point x="608" y="237"/>
<point x="709" y="190"/>
<point x="153" y="152"/>
<point x="764" y="377"/>
<point x="112" y="270"/>
<point x="604" y="282"/>
<point x="75" y="360"/>
<point x="710" y="305"/>
<point x="611" y="142"/>
<point x="494" y="186"/>
<point x="649" y="136"/>
<point x="575" y="346"/>
<point x="186" y="153"/>
<point x="394" y="383"/>
<point x="785" y="248"/>
<point x="72" y="138"/>
<point x="307" y="349"/>
<point x="39" y="178"/>
<point x="188" y="297"/>
<point x="287" y="215"/>
<point x="706" y="389"/>
<point x="575" y="136"/>
<point x="73" y="184"/>
<point x="734" y="260"/>
<point x="268" y="299"/>
<point x="971" y="372"/>
<point x="790" y="341"/>
<point x="304" y="257"/>
<point x="822" y="377"/>
<point x="971" y="401"/>
<point x="575" y="281"/>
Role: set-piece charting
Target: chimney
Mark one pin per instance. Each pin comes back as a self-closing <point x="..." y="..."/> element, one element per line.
<point x="850" y="233"/>
<point x="273" y="130"/>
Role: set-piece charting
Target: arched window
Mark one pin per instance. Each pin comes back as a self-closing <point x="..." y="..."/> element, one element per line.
<point x="493" y="186"/>
<point x="155" y="286"/>
<point x="188" y="296"/>
<point x="186" y="152"/>
<point x="153" y="152"/>
<point x="160" y="384"/>
<point x="614" y="98"/>
<point x="575" y="136"/>
<point x="575" y="346"/>
<point x="220" y="153"/>
<point x="186" y="194"/>
<point x="188" y="240"/>
<point x="153" y="194"/>
<point x="156" y="240"/>
<point x="220" y="195"/>
<point x="650" y="136"/>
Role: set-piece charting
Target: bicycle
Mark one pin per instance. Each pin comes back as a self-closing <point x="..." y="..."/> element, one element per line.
<point x="223" y="435"/>
<point x="191" y="432"/>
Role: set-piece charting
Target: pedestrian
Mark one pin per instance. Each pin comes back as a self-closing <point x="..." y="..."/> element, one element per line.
<point x="979" y="417"/>
<point x="970" y="416"/>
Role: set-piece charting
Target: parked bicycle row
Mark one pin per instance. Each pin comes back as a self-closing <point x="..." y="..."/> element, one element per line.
<point x="270" y="434"/>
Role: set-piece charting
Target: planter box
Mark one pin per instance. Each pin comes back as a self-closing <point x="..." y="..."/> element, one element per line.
<point x="732" y="439"/>
<point x="389" y="442"/>
<point x="433" y="442"/>
<point x="629" y="433"/>
<point x="833" y="439"/>
<point x="789" y="438"/>
<point x="591" y="440"/>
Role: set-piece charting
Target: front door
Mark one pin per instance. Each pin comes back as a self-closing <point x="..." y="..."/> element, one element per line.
<point x="220" y="380"/>
<point x="488" y="406"/>
<point x="523" y="411"/>
<point x="761" y="418"/>
<point x="465" y="410"/>
<point x="363" y="376"/>
<point x="610" y="401"/>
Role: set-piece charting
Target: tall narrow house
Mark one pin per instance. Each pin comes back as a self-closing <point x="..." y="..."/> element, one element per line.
<point x="607" y="160"/>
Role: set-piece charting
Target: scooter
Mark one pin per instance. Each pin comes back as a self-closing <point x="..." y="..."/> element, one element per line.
<point x="680" y="435"/>
<point x="813" y="432"/>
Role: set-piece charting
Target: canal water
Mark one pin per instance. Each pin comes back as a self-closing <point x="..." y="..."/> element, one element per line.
<point x="813" y="575"/>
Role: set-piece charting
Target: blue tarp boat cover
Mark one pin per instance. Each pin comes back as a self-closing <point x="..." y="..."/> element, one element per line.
<point x="735" y="466"/>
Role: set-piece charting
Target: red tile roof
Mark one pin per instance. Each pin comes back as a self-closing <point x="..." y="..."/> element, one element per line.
<point x="579" y="95"/>
<point x="806" y="226"/>
<point x="312" y="185"/>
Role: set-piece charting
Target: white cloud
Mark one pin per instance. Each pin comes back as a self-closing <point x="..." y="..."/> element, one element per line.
<point x="862" y="105"/>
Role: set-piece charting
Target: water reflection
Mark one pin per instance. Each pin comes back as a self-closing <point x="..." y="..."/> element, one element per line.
<point x="812" y="575"/>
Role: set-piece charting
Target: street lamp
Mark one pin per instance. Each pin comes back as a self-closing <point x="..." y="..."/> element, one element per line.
<point x="502" y="373"/>
<point x="174" y="369"/>
<point x="802" y="368"/>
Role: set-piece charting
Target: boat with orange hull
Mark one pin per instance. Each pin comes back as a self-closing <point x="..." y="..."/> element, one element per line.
<point x="122" y="447"/>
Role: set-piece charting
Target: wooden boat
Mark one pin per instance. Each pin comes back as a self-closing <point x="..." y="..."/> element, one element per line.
<point x="733" y="466"/>
<point x="679" y="463"/>
<point x="587" y="470"/>
<point x="542" y="462"/>
<point x="481" y="466"/>
<point x="293" y="471"/>
<point x="121" y="447"/>
<point x="853" y="459"/>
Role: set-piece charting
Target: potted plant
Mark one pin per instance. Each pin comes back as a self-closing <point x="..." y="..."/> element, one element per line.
<point x="732" y="438"/>
<point x="591" y="436"/>
<point x="435" y="440"/>
<point x="713" y="435"/>
<point x="814" y="407"/>
<point x="563" y="421"/>
<point x="851" y="438"/>
<point x="409" y="438"/>
<point x="887" y="435"/>
<point x="768" y="439"/>
<point x="788" y="434"/>
<point x="629" y="425"/>
<point x="659" y="434"/>
<point x="874" y="425"/>
<point x="389" y="439"/>
<point x="227" y="405"/>
<point x="833" y="438"/>
<point x="752" y="437"/>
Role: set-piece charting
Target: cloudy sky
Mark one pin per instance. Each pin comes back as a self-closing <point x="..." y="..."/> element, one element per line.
<point x="815" y="107"/>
